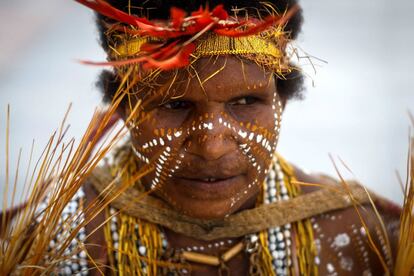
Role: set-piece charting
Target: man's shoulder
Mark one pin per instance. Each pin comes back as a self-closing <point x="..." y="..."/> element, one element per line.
<point x="349" y="240"/>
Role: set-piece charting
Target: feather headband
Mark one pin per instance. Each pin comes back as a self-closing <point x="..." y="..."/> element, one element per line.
<point x="168" y="45"/>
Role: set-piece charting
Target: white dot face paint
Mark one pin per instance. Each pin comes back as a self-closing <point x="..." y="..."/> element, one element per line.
<point x="254" y="142"/>
<point x="200" y="138"/>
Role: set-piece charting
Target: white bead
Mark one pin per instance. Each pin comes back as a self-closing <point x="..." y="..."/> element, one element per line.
<point x="272" y="192"/>
<point x="272" y="238"/>
<point x="75" y="267"/>
<point x="279" y="263"/>
<point x="113" y="227"/>
<point x="81" y="193"/>
<point x="279" y="236"/>
<point x="82" y="230"/>
<point x="82" y="254"/>
<point x="272" y="174"/>
<point x="272" y="246"/>
<point x="68" y="271"/>
<point x="142" y="250"/>
<point x="254" y="238"/>
<point x="115" y="236"/>
<point x="275" y="255"/>
<point x="82" y="236"/>
<point x="286" y="233"/>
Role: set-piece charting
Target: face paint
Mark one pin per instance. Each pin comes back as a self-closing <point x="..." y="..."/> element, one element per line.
<point x="211" y="158"/>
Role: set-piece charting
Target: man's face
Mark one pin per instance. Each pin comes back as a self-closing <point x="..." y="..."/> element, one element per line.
<point x="210" y="137"/>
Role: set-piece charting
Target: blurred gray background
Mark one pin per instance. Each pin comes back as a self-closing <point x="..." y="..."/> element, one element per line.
<point x="356" y="109"/>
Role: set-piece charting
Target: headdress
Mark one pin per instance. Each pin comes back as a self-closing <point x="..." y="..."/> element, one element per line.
<point x="167" y="45"/>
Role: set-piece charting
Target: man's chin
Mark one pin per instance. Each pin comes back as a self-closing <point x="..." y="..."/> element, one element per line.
<point x="211" y="209"/>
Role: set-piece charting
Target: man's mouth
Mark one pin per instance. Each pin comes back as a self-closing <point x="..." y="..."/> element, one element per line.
<point x="209" y="179"/>
<point x="212" y="188"/>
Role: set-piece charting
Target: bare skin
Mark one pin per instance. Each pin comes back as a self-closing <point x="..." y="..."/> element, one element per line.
<point x="204" y="144"/>
<point x="213" y="167"/>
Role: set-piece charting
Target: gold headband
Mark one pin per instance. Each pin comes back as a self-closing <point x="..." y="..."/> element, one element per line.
<point x="266" y="49"/>
<point x="211" y="45"/>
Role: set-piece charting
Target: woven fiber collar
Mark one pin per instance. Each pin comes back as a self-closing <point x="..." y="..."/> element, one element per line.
<point x="245" y="222"/>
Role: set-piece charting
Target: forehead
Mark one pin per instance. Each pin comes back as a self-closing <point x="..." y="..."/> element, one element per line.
<point x="222" y="76"/>
<point x="229" y="69"/>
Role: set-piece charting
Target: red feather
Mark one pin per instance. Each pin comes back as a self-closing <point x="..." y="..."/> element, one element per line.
<point x="232" y="32"/>
<point x="269" y="21"/>
<point x="181" y="59"/>
<point x="167" y="51"/>
<point x="177" y="17"/>
<point x="178" y="57"/>
<point x="220" y="12"/>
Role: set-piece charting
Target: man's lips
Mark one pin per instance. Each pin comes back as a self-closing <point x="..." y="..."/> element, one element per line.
<point x="209" y="179"/>
<point x="204" y="188"/>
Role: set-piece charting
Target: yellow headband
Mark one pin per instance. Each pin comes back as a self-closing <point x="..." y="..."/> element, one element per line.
<point x="211" y="45"/>
<point x="266" y="49"/>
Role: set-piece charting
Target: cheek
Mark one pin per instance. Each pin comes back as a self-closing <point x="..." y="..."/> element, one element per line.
<point x="261" y="137"/>
<point x="153" y="143"/>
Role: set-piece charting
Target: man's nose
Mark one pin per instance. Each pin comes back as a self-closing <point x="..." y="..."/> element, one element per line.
<point x="211" y="138"/>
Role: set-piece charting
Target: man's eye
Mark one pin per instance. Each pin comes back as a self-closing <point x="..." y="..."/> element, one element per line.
<point x="244" y="101"/>
<point x="177" y="105"/>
